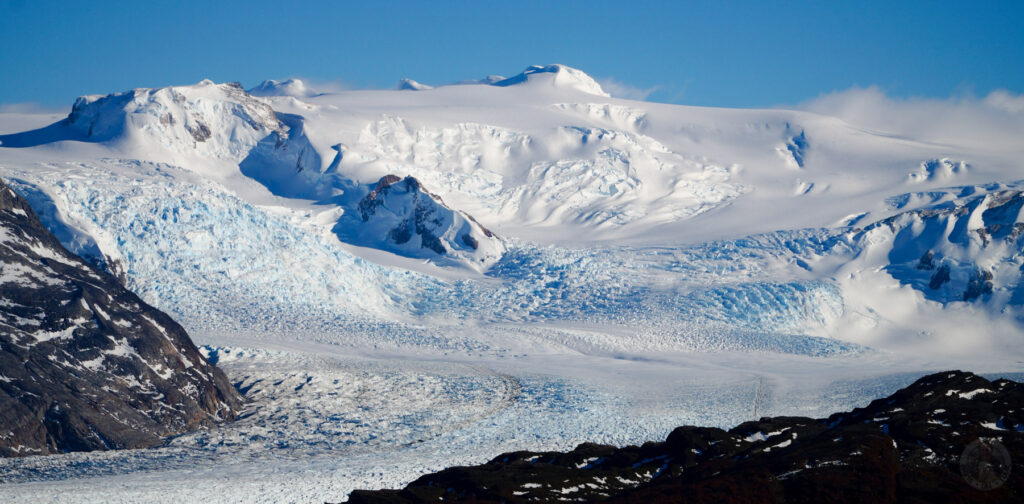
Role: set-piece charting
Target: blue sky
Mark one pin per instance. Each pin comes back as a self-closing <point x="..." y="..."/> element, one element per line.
<point x="719" y="53"/>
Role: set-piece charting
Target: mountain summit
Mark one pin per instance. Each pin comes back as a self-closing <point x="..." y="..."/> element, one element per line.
<point x="411" y="85"/>
<point x="219" y="121"/>
<point x="290" y="87"/>
<point x="559" y="76"/>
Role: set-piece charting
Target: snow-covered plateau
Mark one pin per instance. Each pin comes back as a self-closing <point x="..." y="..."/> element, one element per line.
<point x="404" y="280"/>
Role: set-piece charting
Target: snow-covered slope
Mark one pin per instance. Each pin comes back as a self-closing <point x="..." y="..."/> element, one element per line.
<point x="968" y="248"/>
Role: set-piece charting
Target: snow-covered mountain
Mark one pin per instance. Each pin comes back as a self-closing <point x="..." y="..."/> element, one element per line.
<point x="354" y="190"/>
<point x="559" y="76"/>
<point x="219" y="121"/>
<point x="611" y="268"/>
<point x="288" y="87"/>
<point x="411" y="85"/>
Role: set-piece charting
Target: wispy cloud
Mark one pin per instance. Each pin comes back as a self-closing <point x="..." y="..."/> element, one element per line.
<point x="996" y="119"/>
<point x="327" y="86"/>
<point x="302" y="87"/>
<point x="31" y="108"/>
<point x="1006" y="101"/>
<point x="620" y="89"/>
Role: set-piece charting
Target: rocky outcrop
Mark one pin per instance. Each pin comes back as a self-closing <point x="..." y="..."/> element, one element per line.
<point x="949" y="437"/>
<point x="84" y="363"/>
<point x="404" y="217"/>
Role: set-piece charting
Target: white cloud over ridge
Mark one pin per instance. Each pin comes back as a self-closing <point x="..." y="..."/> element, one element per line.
<point x="995" y="120"/>
<point x="620" y="89"/>
<point x="31" y="108"/>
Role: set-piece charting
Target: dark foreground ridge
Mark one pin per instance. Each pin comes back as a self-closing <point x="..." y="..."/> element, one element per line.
<point x="84" y="363"/>
<point x="949" y="437"/>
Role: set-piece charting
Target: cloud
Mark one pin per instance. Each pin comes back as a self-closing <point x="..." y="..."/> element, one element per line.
<point x="1005" y="100"/>
<point x="31" y="108"/>
<point x="620" y="89"/>
<point x="327" y="86"/>
<point x="994" y="120"/>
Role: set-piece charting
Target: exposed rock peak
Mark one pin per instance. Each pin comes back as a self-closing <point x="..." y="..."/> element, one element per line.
<point x="411" y="220"/>
<point x="377" y="196"/>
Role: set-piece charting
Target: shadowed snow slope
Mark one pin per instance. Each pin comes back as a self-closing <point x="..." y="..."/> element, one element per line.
<point x="965" y="249"/>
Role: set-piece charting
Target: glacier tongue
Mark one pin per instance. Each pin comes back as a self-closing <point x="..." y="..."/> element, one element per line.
<point x="197" y="250"/>
<point x="225" y="267"/>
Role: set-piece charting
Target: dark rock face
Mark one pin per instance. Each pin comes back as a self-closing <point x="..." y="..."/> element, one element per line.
<point x="940" y="277"/>
<point x="200" y="132"/>
<point x="949" y="437"/>
<point x="84" y="363"/>
<point x="979" y="283"/>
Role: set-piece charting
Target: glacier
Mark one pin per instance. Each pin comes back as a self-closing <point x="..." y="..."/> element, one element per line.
<point x="637" y="266"/>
